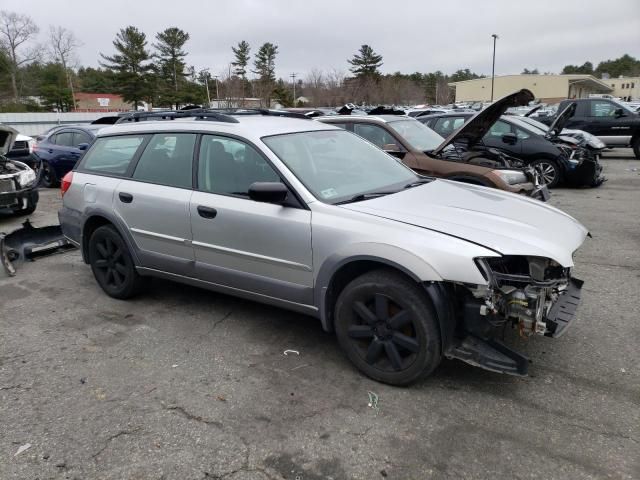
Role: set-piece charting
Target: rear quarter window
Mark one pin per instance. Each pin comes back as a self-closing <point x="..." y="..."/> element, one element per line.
<point x="112" y="155"/>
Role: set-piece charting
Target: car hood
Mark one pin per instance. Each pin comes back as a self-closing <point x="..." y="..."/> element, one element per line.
<point x="561" y="120"/>
<point x="506" y="223"/>
<point x="7" y="137"/>
<point x="476" y="128"/>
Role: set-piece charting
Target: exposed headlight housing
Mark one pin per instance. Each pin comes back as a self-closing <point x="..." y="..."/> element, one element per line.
<point x="512" y="177"/>
<point x="26" y="177"/>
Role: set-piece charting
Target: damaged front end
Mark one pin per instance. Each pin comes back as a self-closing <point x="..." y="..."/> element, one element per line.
<point x="584" y="166"/>
<point x="534" y="295"/>
<point x="18" y="186"/>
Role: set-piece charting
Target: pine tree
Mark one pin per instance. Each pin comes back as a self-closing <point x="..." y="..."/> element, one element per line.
<point x="170" y="68"/>
<point x="265" y="68"/>
<point x="366" y="63"/>
<point x="241" y="53"/>
<point x="131" y="64"/>
<point x="240" y="63"/>
<point x="283" y="95"/>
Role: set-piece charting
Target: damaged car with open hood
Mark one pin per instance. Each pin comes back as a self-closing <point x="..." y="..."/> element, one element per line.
<point x="405" y="269"/>
<point x="18" y="181"/>
<point x="453" y="158"/>
<point x="558" y="158"/>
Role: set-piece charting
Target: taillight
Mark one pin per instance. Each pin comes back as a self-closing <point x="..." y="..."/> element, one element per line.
<point x="66" y="183"/>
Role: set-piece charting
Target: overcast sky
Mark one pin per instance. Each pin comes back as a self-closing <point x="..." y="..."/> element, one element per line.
<point x="411" y="35"/>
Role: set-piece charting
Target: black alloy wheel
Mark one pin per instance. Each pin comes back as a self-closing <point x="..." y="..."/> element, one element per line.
<point x="387" y="327"/>
<point x="112" y="264"/>
<point x="48" y="177"/>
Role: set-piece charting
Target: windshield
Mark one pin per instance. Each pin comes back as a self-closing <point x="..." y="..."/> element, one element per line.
<point x="336" y="165"/>
<point x="416" y="134"/>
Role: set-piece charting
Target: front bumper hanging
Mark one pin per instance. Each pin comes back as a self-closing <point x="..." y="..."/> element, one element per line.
<point x="28" y="243"/>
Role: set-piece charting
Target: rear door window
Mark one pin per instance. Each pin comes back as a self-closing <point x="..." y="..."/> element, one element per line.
<point x="64" y="139"/>
<point x="111" y="155"/>
<point x="167" y="160"/>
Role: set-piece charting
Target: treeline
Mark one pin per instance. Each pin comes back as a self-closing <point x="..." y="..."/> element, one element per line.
<point x="155" y="70"/>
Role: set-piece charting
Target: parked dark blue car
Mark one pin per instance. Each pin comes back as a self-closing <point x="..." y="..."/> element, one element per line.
<point x="60" y="148"/>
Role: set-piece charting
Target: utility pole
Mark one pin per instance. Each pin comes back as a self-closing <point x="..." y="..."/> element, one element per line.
<point x="493" y="67"/>
<point x="206" y="75"/>
<point x="217" y="92"/>
<point x="293" y="80"/>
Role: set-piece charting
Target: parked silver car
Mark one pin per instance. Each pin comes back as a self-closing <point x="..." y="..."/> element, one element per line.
<point x="304" y="215"/>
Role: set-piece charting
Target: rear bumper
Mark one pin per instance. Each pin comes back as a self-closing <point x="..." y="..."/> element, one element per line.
<point x="71" y="224"/>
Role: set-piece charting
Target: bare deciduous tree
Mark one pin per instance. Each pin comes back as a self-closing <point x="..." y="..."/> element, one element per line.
<point x="16" y="32"/>
<point x="63" y="44"/>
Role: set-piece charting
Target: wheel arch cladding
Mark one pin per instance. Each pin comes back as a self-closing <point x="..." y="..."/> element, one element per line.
<point x="334" y="276"/>
<point x="97" y="219"/>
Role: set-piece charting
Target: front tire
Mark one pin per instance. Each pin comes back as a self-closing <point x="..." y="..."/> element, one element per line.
<point x="48" y="178"/>
<point x="387" y="327"/>
<point x="32" y="203"/>
<point x="549" y="172"/>
<point x="636" y="148"/>
<point x="112" y="264"/>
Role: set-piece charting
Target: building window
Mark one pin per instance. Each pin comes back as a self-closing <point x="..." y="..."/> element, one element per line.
<point x="633" y="85"/>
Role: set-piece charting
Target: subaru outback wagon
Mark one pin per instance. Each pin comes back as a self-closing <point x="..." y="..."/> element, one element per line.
<point x="306" y="216"/>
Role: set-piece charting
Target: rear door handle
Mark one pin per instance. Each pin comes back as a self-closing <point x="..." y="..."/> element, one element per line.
<point x="125" y="197"/>
<point x="207" y="212"/>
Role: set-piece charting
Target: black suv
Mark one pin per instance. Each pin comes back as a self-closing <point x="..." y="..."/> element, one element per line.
<point x="612" y="122"/>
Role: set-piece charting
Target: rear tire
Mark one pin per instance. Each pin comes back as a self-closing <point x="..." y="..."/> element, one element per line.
<point x="549" y="172"/>
<point x="636" y="148"/>
<point x="388" y="328"/>
<point x="112" y="264"/>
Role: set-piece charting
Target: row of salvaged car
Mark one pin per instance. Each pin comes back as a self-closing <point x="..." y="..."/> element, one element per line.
<point x="515" y="154"/>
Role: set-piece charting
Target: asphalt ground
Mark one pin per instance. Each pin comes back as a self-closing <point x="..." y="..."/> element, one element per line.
<point x="182" y="383"/>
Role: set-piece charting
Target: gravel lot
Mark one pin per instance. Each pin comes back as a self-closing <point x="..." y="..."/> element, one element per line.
<point x="182" y="383"/>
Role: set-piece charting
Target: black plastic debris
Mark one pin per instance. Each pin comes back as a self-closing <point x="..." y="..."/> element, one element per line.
<point x="29" y="243"/>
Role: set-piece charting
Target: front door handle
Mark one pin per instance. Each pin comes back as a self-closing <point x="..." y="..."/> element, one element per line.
<point x="125" y="197"/>
<point x="207" y="212"/>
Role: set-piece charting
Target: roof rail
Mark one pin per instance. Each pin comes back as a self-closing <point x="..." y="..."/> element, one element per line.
<point x="199" y="114"/>
<point x="260" y="111"/>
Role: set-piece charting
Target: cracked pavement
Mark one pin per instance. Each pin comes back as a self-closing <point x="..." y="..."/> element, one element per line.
<point x="182" y="383"/>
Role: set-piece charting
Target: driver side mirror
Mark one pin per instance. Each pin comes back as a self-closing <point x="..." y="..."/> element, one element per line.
<point x="510" y="138"/>
<point x="618" y="112"/>
<point x="82" y="146"/>
<point x="268" y="192"/>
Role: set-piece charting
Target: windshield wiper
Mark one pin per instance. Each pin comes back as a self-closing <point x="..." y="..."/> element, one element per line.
<point x="417" y="182"/>
<point x="365" y="196"/>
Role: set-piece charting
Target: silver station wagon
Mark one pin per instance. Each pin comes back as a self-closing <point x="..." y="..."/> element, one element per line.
<point x="404" y="269"/>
